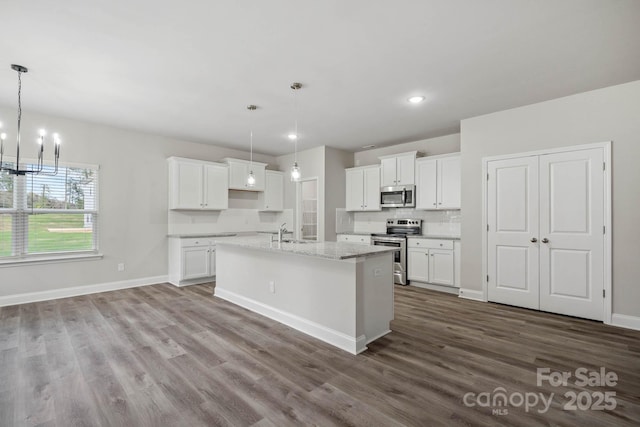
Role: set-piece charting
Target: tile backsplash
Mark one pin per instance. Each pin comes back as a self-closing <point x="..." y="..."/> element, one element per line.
<point x="433" y="222"/>
<point x="230" y="220"/>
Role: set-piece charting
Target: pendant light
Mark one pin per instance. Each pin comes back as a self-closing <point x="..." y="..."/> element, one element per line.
<point x="295" y="169"/>
<point x="42" y="133"/>
<point x="251" y="179"/>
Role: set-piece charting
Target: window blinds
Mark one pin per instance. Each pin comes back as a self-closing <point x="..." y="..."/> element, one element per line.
<point x="49" y="214"/>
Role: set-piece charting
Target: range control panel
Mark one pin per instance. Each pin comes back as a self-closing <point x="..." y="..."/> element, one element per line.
<point x="406" y="222"/>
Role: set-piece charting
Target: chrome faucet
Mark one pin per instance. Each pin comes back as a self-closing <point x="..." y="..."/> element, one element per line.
<point x="281" y="231"/>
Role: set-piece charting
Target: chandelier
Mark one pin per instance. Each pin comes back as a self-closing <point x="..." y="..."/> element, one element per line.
<point x="41" y="140"/>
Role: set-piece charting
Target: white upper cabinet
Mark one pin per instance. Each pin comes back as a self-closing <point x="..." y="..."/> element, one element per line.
<point x="363" y="189"/>
<point x="438" y="182"/>
<point x="239" y="171"/>
<point x="449" y="186"/>
<point x="398" y="169"/>
<point x="197" y="185"/>
<point x="216" y="187"/>
<point x="273" y="197"/>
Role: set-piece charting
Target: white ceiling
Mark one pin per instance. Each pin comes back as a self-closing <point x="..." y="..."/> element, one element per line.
<point x="187" y="69"/>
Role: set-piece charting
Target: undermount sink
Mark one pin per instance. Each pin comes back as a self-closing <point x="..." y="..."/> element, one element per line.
<point x="297" y="241"/>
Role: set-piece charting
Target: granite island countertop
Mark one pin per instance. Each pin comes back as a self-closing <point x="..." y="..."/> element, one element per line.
<point x="200" y="235"/>
<point x="329" y="250"/>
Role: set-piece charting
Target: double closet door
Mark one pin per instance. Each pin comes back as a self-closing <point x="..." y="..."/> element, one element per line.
<point x="546" y="232"/>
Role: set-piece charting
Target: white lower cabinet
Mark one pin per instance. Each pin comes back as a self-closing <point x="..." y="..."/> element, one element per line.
<point x="191" y="260"/>
<point x="354" y="238"/>
<point x="433" y="261"/>
<point x="418" y="264"/>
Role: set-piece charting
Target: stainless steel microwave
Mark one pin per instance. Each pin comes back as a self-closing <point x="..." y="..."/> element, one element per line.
<point x="402" y="196"/>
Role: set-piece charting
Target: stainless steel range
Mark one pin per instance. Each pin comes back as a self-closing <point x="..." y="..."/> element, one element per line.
<point x="396" y="236"/>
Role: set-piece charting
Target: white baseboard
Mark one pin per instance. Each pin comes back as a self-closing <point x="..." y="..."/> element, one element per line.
<point x="625" y="321"/>
<point x="78" y="290"/>
<point x="434" y="287"/>
<point x="471" y="294"/>
<point x="353" y="345"/>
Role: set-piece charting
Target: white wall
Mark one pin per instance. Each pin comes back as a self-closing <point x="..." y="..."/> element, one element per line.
<point x="133" y="200"/>
<point x="609" y="114"/>
<point x="336" y="161"/>
<point x="311" y="163"/>
<point x="426" y="147"/>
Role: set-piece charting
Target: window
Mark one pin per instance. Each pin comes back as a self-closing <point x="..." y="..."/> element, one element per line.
<point x="44" y="214"/>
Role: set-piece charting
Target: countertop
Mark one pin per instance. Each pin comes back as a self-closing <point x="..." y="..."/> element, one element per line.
<point x="329" y="250"/>
<point x="420" y="236"/>
<point x="202" y="235"/>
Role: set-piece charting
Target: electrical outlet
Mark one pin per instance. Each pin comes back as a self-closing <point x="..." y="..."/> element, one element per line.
<point x="121" y="266"/>
<point x="272" y="287"/>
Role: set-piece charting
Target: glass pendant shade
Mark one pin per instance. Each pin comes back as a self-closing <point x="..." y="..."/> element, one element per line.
<point x="295" y="169"/>
<point x="295" y="172"/>
<point x="251" y="179"/>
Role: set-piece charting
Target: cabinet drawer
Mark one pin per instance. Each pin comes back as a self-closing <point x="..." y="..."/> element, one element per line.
<point x="430" y="243"/>
<point x="195" y="241"/>
<point x="354" y="238"/>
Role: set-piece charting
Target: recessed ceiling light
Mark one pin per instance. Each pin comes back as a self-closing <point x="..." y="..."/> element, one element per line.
<point x="292" y="136"/>
<point x="368" y="146"/>
<point x="416" y="99"/>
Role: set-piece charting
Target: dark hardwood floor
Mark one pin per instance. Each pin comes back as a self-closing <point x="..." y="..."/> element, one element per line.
<point x="163" y="356"/>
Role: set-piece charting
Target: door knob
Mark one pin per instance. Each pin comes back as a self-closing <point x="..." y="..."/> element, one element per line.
<point x="533" y="240"/>
<point x="545" y="240"/>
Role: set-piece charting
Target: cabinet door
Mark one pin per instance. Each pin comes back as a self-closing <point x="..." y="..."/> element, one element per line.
<point x="405" y="170"/>
<point x="216" y="187"/>
<point x="426" y="188"/>
<point x="186" y="191"/>
<point x="449" y="183"/>
<point x="372" y="189"/>
<point x="195" y="262"/>
<point x="388" y="172"/>
<point x="418" y="264"/>
<point x="273" y="191"/>
<point x="259" y="175"/>
<point x="355" y="190"/>
<point x="212" y="261"/>
<point x="238" y="173"/>
<point x="513" y="219"/>
<point x="441" y="267"/>
<point x="571" y="233"/>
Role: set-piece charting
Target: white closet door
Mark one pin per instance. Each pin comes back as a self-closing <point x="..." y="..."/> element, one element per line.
<point x="572" y="220"/>
<point x="512" y="203"/>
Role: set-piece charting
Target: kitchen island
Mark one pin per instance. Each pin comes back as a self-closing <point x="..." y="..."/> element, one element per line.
<point x="340" y="293"/>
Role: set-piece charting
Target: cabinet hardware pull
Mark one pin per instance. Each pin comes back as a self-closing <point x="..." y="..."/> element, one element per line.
<point x="545" y="240"/>
<point x="533" y="240"/>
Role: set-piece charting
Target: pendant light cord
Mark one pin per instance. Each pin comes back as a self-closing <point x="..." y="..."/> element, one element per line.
<point x="295" y="114"/>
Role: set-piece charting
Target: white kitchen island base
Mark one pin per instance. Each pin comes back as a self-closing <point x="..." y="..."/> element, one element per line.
<point x="344" y="302"/>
